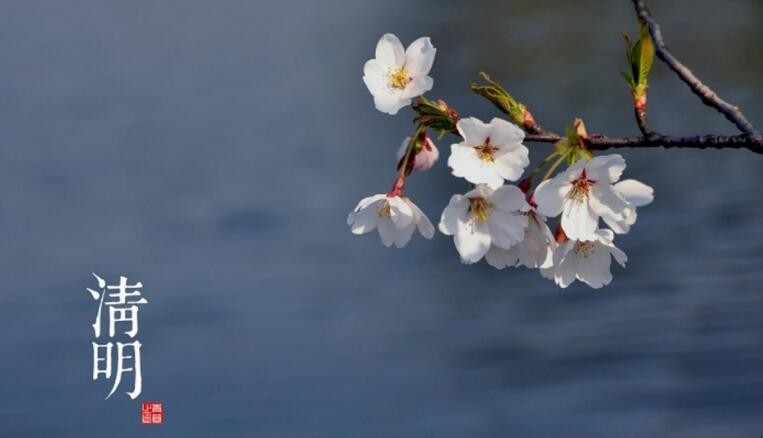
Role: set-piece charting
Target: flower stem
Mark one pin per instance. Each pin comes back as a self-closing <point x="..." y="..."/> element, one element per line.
<point x="399" y="184"/>
<point x="553" y="167"/>
<point x="541" y="165"/>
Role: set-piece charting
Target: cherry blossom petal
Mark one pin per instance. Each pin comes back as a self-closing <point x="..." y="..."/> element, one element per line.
<point x="622" y="226"/>
<point x="573" y="172"/>
<point x="480" y="191"/>
<point x="605" y="202"/>
<point x="494" y="257"/>
<point x="402" y="237"/>
<point x="635" y="192"/>
<point x="594" y="270"/>
<point x="388" y="232"/>
<point x="506" y="134"/>
<point x="472" y="240"/>
<point x="417" y="87"/>
<point x="578" y="221"/>
<point x="550" y="195"/>
<point x="364" y="217"/>
<point x="506" y="229"/>
<point x="511" y="163"/>
<point x="419" y="57"/>
<point x="509" y="199"/>
<point x="606" y="238"/>
<point x="605" y="168"/>
<point x="375" y="76"/>
<point x="473" y="131"/>
<point x="390" y="103"/>
<point x="389" y="51"/>
<point x="400" y="212"/>
<point x="566" y="264"/>
<point x="464" y="164"/>
<point x="489" y="177"/>
<point x="456" y="210"/>
<point x="500" y="258"/>
<point x="363" y="222"/>
<point x="422" y="222"/>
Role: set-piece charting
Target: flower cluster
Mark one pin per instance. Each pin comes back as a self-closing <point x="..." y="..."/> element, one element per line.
<point x="394" y="78"/>
<point x="586" y="191"/>
<point x="505" y="224"/>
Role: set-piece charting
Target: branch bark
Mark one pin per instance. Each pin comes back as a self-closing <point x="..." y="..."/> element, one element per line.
<point x="639" y="111"/>
<point x="601" y="142"/>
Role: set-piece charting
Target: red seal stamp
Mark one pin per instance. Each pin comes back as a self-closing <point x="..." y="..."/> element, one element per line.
<point x="152" y="413"/>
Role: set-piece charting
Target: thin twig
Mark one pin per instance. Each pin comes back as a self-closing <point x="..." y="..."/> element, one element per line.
<point x="600" y="142"/>
<point x="640" y="113"/>
<point x="705" y="93"/>
<point x="532" y="127"/>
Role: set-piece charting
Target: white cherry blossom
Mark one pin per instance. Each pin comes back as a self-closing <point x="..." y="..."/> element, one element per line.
<point x="587" y="261"/>
<point x="536" y="250"/>
<point x="485" y="217"/>
<point x="398" y="75"/>
<point x="489" y="153"/>
<point x="585" y="192"/>
<point x="396" y="218"/>
<point x="425" y="157"/>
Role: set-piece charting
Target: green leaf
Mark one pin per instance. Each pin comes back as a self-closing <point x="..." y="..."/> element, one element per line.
<point x="572" y="158"/>
<point x="585" y="153"/>
<point x="562" y="146"/>
<point x="572" y="134"/>
<point x="635" y="58"/>
<point x="628" y="46"/>
<point x="628" y="79"/>
<point x="646" y="55"/>
<point x="640" y="59"/>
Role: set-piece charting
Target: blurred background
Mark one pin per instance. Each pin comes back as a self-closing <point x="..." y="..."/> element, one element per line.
<point x="212" y="150"/>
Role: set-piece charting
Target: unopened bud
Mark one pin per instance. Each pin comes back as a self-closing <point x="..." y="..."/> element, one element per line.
<point x="501" y="98"/>
<point x="435" y="115"/>
<point x="423" y="156"/>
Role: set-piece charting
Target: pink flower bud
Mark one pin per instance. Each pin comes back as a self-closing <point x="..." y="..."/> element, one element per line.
<point x="425" y="157"/>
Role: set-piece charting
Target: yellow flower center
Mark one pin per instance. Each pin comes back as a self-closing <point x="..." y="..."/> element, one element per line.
<point x="384" y="211"/>
<point x="399" y="78"/>
<point x="584" y="249"/>
<point x="486" y="151"/>
<point x="480" y="209"/>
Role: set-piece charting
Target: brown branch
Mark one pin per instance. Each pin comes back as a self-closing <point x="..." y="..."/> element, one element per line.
<point x="532" y="127"/>
<point x="536" y="134"/>
<point x="705" y="93"/>
<point x="600" y="142"/>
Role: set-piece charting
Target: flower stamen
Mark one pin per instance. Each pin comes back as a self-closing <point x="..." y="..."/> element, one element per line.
<point x="385" y="211"/>
<point x="486" y="151"/>
<point x="584" y="248"/>
<point x="399" y="78"/>
<point x="480" y="209"/>
<point x="581" y="187"/>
